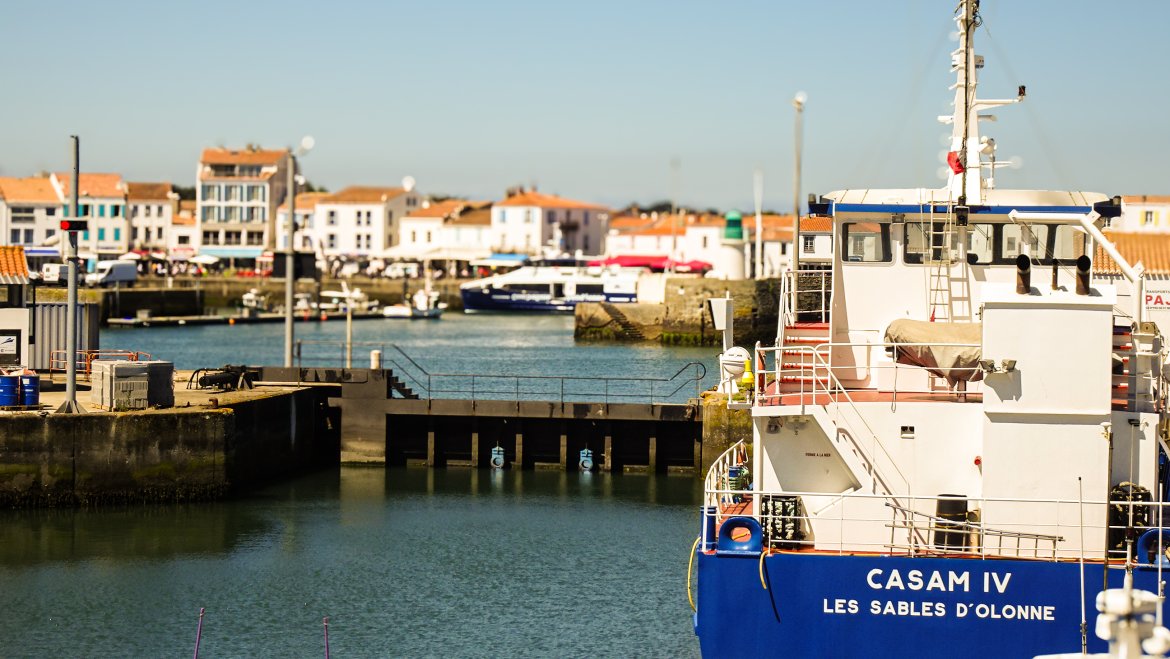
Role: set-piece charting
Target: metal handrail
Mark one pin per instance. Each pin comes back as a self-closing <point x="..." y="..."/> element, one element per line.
<point x="481" y="386"/>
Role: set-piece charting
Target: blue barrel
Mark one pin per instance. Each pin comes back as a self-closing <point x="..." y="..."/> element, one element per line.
<point x="30" y="390"/>
<point x="9" y="390"/>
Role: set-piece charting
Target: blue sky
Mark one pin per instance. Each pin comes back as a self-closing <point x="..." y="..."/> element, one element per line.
<point x="591" y="100"/>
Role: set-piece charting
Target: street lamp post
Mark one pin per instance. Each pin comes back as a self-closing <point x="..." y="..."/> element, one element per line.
<point x="798" y="103"/>
<point x="290" y="253"/>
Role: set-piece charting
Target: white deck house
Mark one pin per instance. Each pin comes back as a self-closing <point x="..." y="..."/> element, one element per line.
<point x="237" y="193"/>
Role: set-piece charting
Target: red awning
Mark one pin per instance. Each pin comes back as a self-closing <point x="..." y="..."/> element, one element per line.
<point x="655" y="263"/>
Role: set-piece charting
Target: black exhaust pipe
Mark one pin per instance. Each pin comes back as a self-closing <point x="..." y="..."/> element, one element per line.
<point x="1023" y="275"/>
<point x="1083" y="264"/>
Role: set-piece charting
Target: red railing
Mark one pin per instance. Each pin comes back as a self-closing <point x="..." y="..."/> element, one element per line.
<point x="58" y="359"/>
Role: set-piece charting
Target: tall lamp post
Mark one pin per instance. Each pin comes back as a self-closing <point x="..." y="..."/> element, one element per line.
<point x="290" y="255"/>
<point x="798" y="103"/>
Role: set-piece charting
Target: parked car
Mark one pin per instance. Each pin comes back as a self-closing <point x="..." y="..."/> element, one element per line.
<point x="113" y="273"/>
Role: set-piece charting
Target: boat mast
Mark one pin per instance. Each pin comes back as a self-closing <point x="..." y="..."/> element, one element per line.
<point x="966" y="183"/>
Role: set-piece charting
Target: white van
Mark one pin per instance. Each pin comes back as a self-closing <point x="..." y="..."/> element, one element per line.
<point x="54" y="273"/>
<point x="113" y="273"/>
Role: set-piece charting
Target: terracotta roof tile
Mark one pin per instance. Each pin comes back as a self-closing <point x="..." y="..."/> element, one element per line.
<point x="1152" y="249"/>
<point x="542" y="200"/>
<point x="816" y="225"/>
<point x="362" y="194"/>
<point x="222" y="156"/>
<point x="92" y="185"/>
<point x="13" y="265"/>
<point x="34" y="190"/>
<point x="481" y="216"/>
<point x="439" y="209"/>
<point x="1146" y="199"/>
<point x="149" y="191"/>
<point x="306" y="201"/>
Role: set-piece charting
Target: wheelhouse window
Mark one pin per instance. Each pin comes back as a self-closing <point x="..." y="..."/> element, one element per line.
<point x="1044" y="243"/>
<point x="866" y="242"/>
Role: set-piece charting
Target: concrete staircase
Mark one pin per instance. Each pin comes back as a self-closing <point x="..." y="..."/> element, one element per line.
<point x="629" y="331"/>
<point x="400" y="387"/>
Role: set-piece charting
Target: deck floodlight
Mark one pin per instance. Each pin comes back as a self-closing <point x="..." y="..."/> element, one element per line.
<point x="988" y="365"/>
<point x="1008" y="365"/>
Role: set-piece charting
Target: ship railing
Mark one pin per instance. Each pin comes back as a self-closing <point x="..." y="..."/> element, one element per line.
<point x="718" y="486"/>
<point x="687" y="382"/>
<point x="805" y="297"/>
<point x="1023" y="529"/>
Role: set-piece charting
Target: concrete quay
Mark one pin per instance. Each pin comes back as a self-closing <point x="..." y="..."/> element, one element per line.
<point x="211" y="444"/>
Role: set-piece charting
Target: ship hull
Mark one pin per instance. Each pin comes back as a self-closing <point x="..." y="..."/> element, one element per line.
<point x="820" y="605"/>
<point x="492" y="299"/>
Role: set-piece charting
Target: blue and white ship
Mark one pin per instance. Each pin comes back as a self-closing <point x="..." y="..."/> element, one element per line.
<point x="551" y="285"/>
<point x="960" y="446"/>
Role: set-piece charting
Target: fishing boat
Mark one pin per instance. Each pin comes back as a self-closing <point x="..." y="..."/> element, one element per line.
<point x="425" y="303"/>
<point x="957" y="469"/>
<point x="551" y="285"/>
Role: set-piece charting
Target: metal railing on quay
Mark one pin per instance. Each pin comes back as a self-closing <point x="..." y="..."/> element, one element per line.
<point x="1022" y="529"/>
<point x="84" y="359"/>
<point x="686" y="382"/>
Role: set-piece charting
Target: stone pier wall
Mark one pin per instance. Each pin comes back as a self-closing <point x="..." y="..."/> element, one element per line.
<point x="162" y="455"/>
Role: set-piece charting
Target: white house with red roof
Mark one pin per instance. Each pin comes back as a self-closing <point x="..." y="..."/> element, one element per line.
<point x="236" y="196"/>
<point x="102" y="198"/>
<point x="30" y="210"/>
<point x="306" y="214"/>
<point x="531" y="222"/>
<point x="1144" y="213"/>
<point x="152" y="211"/>
<point x="361" y="220"/>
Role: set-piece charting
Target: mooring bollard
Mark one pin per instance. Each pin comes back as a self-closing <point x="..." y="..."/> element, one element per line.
<point x="375" y="359"/>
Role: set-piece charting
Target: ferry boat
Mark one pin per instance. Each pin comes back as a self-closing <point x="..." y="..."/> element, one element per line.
<point x="551" y="285"/>
<point x="956" y="470"/>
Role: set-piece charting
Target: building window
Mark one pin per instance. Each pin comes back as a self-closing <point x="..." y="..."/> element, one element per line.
<point x="84" y="210"/>
<point x="159" y="213"/>
<point x="552" y="217"/>
<point x="807" y="244"/>
<point x="428" y="237"/>
<point x="528" y="216"/>
<point x="704" y="242"/>
<point x="50" y="212"/>
<point x="866" y="242"/>
<point x="1148" y="218"/>
<point x="331" y="218"/>
<point x="211" y="193"/>
<point x="15" y="238"/>
<point x="145" y="211"/>
<point x="331" y="241"/>
<point x="183" y="240"/>
<point x="101" y="211"/>
<point x="117" y="234"/>
<point x="115" y="211"/>
<point x="49" y="233"/>
<point x="413" y="236"/>
<point x="231" y="238"/>
<point x="255" y="237"/>
<point x="101" y="235"/>
<point x="210" y="237"/>
<point x="585" y="218"/>
<point x="23" y="214"/>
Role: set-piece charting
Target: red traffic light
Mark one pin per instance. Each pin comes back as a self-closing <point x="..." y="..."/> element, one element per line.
<point x="75" y="225"/>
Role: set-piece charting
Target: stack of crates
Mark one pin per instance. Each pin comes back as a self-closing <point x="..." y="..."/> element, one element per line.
<point x="125" y="385"/>
<point x="119" y="385"/>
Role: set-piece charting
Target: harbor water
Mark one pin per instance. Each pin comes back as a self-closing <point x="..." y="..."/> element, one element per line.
<point x="404" y="562"/>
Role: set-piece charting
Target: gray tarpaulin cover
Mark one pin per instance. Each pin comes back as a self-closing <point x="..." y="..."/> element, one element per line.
<point x="956" y="363"/>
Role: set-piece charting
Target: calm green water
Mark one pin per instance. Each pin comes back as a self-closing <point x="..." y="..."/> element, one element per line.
<point x="404" y="562"/>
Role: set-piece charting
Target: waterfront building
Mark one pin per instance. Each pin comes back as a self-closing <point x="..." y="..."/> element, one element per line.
<point x="775" y="243"/>
<point x="183" y="236"/>
<point x="531" y="222"/>
<point x="152" y="211"/>
<point x="452" y="230"/>
<point x="304" y="230"/>
<point x="30" y="210"/>
<point x="1144" y="213"/>
<point x="236" y="194"/>
<point x="102" y="198"/>
<point x="816" y="242"/>
<point x="361" y="220"/>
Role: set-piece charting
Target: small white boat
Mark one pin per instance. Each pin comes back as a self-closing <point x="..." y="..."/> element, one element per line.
<point x="424" y="303"/>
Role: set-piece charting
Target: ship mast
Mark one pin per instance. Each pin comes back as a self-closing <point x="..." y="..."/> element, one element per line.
<point x="966" y="182"/>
